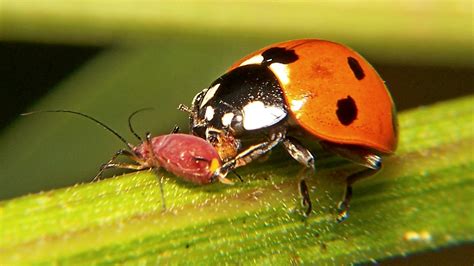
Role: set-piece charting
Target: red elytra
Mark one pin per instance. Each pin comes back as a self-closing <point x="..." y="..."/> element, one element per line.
<point x="326" y="73"/>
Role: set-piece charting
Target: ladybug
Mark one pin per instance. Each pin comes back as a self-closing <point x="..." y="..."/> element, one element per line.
<point x="309" y="88"/>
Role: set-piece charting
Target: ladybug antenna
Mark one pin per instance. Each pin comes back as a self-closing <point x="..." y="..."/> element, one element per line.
<point x="130" y="121"/>
<point x="130" y="146"/>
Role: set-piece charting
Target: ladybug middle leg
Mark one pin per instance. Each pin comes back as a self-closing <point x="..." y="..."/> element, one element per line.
<point x="293" y="147"/>
<point x="304" y="157"/>
<point x="358" y="155"/>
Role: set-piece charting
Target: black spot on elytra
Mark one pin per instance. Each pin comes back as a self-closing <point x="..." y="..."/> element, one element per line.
<point x="346" y="110"/>
<point x="279" y="55"/>
<point x="356" y="68"/>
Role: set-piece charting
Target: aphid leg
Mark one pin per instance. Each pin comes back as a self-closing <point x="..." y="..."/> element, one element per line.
<point x="155" y="162"/>
<point x="160" y="181"/>
<point x="175" y="129"/>
<point x="358" y="155"/>
<point x="150" y="148"/>
<point x="111" y="164"/>
<point x="148" y="137"/>
<point x="304" y="157"/>
<point x="126" y="166"/>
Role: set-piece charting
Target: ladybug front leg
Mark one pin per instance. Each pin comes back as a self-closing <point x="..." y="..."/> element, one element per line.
<point x="358" y="155"/>
<point x="304" y="157"/>
<point x="251" y="153"/>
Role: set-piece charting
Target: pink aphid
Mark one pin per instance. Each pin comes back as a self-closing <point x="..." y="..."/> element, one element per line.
<point x="183" y="155"/>
<point x="186" y="156"/>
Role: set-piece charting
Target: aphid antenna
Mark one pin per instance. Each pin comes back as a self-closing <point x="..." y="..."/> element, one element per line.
<point x="130" y="121"/>
<point x="129" y="146"/>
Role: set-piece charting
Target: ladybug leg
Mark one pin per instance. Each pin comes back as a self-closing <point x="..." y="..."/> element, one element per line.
<point x="343" y="206"/>
<point x="361" y="156"/>
<point x="111" y="163"/>
<point x="252" y="153"/>
<point x="302" y="155"/>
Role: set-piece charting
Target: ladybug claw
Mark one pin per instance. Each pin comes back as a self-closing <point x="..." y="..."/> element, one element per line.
<point x="343" y="210"/>
<point x="309" y="208"/>
<point x="341" y="217"/>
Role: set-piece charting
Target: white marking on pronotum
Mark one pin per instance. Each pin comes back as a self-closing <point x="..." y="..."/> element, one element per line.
<point x="209" y="113"/>
<point x="258" y="59"/>
<point x="296" y="105"/>
<point x="209" y="94"/>
<point x="227" y="119"/>
<point x="282" y="72"/>
<point x="256" y="115"/>
<point x="198" y="95"/>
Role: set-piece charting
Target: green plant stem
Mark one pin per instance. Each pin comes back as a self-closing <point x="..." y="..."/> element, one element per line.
<point x="421" y="200"/>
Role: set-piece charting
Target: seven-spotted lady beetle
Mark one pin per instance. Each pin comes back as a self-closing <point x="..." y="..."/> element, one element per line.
<point x="310" y="87"/>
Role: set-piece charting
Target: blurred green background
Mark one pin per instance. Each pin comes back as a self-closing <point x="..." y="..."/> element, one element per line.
<point x="109" y="58"/>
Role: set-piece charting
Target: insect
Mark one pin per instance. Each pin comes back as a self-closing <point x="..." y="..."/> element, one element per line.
<point x="186" y="156"/>
<point x="309" y="88"/>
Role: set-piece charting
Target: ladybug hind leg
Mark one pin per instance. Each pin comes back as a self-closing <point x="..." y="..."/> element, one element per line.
<point x="358" y="155"/>
<point x="304" y="157"/>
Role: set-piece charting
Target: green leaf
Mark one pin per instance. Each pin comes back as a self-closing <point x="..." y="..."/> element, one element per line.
<point x="421" y="200"/>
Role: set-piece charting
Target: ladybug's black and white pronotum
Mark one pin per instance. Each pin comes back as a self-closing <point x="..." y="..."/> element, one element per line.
<point x="298" y="88"/>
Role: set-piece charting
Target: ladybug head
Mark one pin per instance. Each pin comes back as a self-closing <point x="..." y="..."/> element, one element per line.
<point x="220" y="136"/>
<point x="236" y="106"/>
